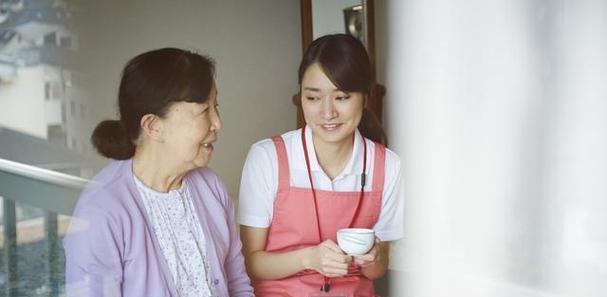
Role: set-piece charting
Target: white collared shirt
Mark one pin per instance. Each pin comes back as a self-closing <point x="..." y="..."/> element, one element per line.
<point x="259" y="182"/>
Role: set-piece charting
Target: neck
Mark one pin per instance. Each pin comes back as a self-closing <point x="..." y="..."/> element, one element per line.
<point x="333" y="157"/>
<point x="151" y="167"/>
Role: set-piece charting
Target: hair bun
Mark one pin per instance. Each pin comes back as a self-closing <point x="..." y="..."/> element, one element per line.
<point x="111" y="140"/>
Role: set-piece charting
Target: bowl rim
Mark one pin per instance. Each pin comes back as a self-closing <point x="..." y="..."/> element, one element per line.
<point x="356" y="230"/>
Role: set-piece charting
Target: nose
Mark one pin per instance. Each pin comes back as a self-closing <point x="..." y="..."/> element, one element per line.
<point x="328" y="108"/>
<point x="216" y="123"/>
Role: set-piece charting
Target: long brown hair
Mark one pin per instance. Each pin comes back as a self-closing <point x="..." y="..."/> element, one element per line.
<point x="345" y="62"/>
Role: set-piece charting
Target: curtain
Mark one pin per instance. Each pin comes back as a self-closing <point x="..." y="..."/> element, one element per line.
<point x="498" y="109"/>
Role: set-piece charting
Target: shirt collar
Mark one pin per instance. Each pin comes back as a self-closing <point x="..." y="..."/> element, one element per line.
<point x="352" y="167"/>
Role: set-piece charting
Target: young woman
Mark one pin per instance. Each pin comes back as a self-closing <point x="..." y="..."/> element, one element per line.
<point x="298" y="189"/>
<point x="157" y="221"/>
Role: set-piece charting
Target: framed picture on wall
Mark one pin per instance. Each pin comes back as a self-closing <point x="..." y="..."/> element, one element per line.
<point x="353" y="19"/>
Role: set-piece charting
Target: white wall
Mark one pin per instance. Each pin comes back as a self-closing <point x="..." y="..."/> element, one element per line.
<point x="256" y="44"/>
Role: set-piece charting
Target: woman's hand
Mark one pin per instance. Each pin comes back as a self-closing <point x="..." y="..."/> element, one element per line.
<point x="375" y="263"/>
<point x="371" y="257"/>
<point x="328" y="259"/>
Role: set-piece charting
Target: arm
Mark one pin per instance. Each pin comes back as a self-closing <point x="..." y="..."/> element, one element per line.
<point x="92" y="255"/>
<point x="389" y="225"/>
<point x="239" y="283"/>
<point x="325" y="258"/>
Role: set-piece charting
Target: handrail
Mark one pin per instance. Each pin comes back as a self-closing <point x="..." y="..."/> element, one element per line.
<point x="40" y="174"/>
<point x="38" y="187"/>
<point x="55" y="193"/>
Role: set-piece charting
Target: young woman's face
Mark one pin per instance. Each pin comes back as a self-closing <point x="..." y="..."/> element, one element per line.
<point x="332" y="114"/>
<point x="189" y="131"/>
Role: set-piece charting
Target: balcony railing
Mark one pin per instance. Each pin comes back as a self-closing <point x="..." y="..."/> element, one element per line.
<point x="53" y="192"/>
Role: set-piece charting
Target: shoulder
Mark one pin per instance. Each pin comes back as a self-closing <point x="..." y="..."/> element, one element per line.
<point x="392" y="157"/>
<point x="105" y="203"/>
<point x="206" y="181"/>
<point x="108" y="189"/>
<point x="267" y="144"/>
<point x="392" y="162"/>
<point x="263" y="146"/>
<point x="208" y="177"/>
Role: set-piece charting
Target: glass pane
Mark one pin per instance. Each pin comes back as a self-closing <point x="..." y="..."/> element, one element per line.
<point x="42" y="100"/>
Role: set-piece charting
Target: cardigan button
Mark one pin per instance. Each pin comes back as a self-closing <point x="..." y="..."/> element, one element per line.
<point x="216" y="282"/>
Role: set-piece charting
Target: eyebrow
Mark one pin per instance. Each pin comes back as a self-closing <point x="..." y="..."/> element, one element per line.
<point x="318" y="90"/>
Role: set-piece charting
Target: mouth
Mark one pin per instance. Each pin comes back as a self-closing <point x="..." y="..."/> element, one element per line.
<point x="330" y="127"/>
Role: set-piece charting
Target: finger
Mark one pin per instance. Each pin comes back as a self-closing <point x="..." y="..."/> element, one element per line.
<point x="367" y="257"/>
<point x="331" y="245"/>
<point x="331" y="275"/>
<point x="365" y="260"/>
<point x="333" y="265"/>
<point x="335" y="272"/>
<point x="330" y="255"/>
<point x="340" y="258"/>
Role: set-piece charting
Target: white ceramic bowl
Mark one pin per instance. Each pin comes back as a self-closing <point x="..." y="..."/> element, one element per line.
<point x="355" y="241"/>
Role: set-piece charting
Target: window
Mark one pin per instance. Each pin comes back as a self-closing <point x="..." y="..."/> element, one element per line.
<point x="47" y="90"/>
<point x="57" y="90"/>
<point x="65" y="42"/>
<point x="50" y="39"/>
<point x="63" y="113"/>
<point x="34" y="210"/>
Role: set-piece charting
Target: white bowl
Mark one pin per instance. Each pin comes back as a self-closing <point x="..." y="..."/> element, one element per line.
<point x="355" y="241"/>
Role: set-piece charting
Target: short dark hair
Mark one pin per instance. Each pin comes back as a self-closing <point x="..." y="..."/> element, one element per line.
<point x="150" y="83"/>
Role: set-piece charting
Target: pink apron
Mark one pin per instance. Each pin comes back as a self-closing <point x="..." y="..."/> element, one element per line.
<point x="293" y="227"/>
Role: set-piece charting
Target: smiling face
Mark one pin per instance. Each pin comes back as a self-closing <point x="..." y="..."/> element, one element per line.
<point x="332" y="114"/>
<point x="189" y="131"/>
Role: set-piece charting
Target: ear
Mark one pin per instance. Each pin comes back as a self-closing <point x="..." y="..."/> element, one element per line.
<point x="151" y="125"/>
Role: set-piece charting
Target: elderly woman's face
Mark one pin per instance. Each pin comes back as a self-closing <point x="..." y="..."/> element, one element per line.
<point x="190" y="129"/>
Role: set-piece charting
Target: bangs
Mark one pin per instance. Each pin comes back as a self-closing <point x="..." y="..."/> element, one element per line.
<point x="343" y="59"/>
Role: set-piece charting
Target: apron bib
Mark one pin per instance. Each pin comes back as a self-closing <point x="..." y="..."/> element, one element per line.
<point x="293" y="227"/>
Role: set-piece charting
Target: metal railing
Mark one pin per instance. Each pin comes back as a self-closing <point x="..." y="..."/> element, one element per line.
<point x="55" y="193"/>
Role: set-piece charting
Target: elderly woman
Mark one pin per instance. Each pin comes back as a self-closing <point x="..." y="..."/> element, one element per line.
<point x="157" y="221"/>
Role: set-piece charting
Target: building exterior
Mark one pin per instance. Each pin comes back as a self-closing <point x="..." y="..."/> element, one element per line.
<point x="40" y="91"/>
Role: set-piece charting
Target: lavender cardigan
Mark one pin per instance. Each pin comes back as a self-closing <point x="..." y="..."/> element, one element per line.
<point x="111" y="250"/>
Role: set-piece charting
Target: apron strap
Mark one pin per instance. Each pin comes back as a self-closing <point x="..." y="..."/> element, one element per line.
<point x="379" y="167"/>
<point x="283" y="164"/>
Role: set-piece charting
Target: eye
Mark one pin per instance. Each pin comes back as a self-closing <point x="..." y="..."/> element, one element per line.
<point x="311" y="98"/>
<point x="341" y="98"/>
